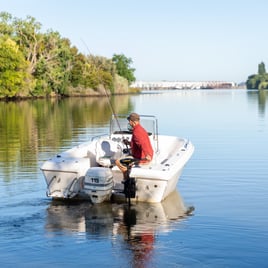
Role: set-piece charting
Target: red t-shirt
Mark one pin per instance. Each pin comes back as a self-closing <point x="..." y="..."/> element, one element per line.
<point x="140" y="143"/>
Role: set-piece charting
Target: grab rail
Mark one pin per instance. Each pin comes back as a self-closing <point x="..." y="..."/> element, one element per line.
<point x="68" y="190"/>
<point x="48" y="193"/>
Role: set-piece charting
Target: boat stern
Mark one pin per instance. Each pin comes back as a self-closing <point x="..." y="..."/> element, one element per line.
<point x="64" y="176"/>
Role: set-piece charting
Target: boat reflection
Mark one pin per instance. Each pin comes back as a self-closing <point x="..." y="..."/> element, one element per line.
<point x="139" y="225"/>
<point x="135" y="226"/>
<point x="113" y="219"/>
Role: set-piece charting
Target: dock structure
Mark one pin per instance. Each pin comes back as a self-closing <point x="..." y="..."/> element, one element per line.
<point x="154" y="85"/>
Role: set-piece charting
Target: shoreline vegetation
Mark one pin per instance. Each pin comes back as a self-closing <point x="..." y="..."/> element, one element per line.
<point x="34" y="64"/>
<point x="259" y="80"/>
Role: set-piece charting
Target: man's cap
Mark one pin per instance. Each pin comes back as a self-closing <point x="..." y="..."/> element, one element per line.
<point x="133" y="117"/>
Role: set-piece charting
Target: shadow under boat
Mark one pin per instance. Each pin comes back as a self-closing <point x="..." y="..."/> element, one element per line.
<point x="108" y="219"/>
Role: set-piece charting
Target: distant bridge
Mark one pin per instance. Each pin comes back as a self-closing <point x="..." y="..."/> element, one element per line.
<point x="182" y="85"/>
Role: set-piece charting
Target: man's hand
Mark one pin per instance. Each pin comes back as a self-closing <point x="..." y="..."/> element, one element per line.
<point x="126" y="142"/>
<point x="148" y="158"/>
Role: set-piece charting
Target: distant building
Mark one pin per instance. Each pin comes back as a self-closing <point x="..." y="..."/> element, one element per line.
<point x="153" y="85"/>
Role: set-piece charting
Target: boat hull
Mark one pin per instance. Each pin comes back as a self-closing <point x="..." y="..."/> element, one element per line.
<point x="150" y="189"/>
<point x="64" y="176"/>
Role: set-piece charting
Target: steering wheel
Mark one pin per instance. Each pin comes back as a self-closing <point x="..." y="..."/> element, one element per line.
<point x="128" y="161"/>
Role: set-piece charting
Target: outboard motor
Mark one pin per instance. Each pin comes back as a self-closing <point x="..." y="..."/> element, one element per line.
<point x="130" y="188"/>
<point x="98" y="184"/>
<point x="129" y="183"/>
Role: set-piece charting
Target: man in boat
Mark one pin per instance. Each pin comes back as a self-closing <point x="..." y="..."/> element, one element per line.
<point x="140" y="144"/>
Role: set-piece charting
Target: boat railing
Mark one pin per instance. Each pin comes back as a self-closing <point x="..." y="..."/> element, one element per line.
<point x="119" y="125"/>
<point x="98" y="137"/>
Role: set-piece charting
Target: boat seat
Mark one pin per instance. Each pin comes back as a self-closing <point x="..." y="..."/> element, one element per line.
<point x="107" y="151"/>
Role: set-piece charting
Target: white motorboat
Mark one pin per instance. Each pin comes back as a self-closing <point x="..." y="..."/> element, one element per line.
<point x="87" y="171"/>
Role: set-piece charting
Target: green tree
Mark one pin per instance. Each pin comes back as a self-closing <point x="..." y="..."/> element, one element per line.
<point x="123" y="67"/>
<point x="54" y="64"/>
<point x="6" y="27"/>
<point x="14" y="79"/>
<point x="252" y="82"/>
<point x="260" y="80"/>
<point x="39" y="64"/>
<point x="28" y="37"/>
<point x="99" y="71"/>
<point x="261" y="69"/>
<point x="77" y="71"/>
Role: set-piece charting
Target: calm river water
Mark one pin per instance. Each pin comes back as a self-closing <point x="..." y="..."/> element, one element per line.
<point x="226" y="182"/>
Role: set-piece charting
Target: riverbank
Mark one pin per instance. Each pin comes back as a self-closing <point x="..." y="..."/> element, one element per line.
<point x="74" y="93"/>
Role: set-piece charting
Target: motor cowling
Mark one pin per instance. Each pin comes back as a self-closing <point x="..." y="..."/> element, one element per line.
<point x="98" y="184"/>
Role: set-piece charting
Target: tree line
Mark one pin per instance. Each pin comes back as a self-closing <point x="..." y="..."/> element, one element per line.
<point x="259" y="80"/>
<point x="38" y="64"/>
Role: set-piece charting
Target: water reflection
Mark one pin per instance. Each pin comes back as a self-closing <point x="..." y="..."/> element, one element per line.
<point x="137" y="225"/>
<point x="109" y="218"/>
<point x="262" y="101"/>
<point x="259" y="96"/>
<point x="28" y="127"/>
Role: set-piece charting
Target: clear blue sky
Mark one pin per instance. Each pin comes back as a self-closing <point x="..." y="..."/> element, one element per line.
<point x="194" y="40"/>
